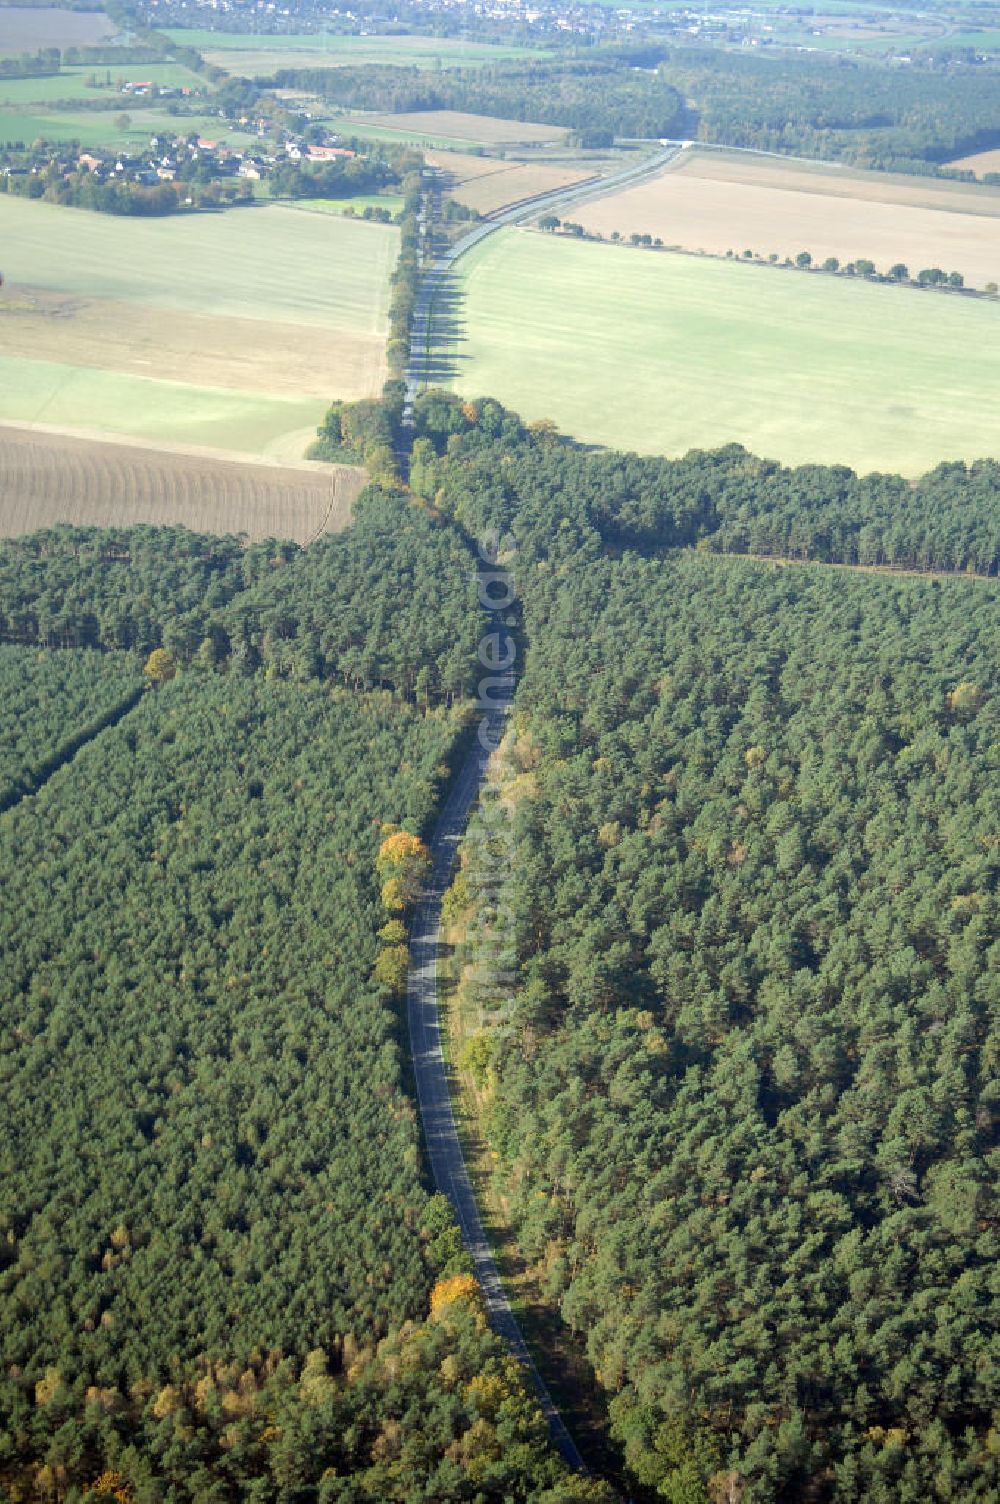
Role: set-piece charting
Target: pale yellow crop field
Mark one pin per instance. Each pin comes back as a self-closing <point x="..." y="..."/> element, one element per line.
<point x="229" y="331"/>
<point x="735" y="201"/>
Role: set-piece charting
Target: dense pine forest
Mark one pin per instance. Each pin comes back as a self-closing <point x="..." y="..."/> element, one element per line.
<point x="221" y="1273"/>
<point x="740" y="1099"/>
<point x="51" y="701"/>
<point x="742" y="1102"/>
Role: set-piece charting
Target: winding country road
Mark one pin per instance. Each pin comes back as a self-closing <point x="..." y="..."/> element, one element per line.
<point x="444" y="1147"/>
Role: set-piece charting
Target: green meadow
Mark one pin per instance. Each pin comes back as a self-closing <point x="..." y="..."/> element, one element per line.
<point x="72" y="83"/>
<point x="250" y="276"/>
<point x="393" y="202"/>
<point x="97" y="128"/>
<point x="663" y="353"/>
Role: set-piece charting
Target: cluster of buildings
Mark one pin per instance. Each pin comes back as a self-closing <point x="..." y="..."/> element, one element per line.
<point x="183" y="158"/>
<point x="186" y="157"/>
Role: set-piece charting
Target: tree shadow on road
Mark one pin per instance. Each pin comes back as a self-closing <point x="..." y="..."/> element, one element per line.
<point x="439" y="361"/>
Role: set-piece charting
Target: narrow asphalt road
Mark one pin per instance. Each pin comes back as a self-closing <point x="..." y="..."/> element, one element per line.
<point x="422" y="326"/>
<point x="444" y="1147"/>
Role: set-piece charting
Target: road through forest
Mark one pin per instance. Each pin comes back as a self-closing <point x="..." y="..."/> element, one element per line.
<point x="444" y="1147"/>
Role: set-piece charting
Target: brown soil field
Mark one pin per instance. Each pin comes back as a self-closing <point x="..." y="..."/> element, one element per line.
<point x="458" y="126"/>
<point x="204" y="350"/>
<point x="982" y="162"/>
<point x="464" y="167"/>
<point x="718" y="201"/>
<point x="48" y="477"/>
<point x="26" y="28"/>
<point x="520" y="181"/>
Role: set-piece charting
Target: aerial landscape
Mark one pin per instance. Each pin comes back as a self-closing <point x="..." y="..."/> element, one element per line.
<point x="499" y="782"/>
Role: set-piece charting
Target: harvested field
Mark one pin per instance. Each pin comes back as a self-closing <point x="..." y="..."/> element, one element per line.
<point x="465" y="167"/>
<point x="255" y="54"/>
<point x="485" y="130"/>
<point x="26" y="28"/>
<point x="516" y="183"/>
<point x="718" y="201"/>
<point x="228" y="331"/>
<point x="47" y="478"/>
<point x="980" y="164"/>
<point x="327" y="51"/>
<point x="273" y="358"/>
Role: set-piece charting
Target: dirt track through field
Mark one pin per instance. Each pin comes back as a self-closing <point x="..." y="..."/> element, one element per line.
<point x="48" y="478"/>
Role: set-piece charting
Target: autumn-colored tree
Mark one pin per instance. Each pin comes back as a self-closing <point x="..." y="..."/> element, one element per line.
<point x="965" y="699"/>
<point x="112" y="1485"/>
<point x="390" y="968"/>
<point x="160" y="666"/>
<point x="459" y="1289"/>
<point x="402" y="863"/>
<point x="393" y="932"/>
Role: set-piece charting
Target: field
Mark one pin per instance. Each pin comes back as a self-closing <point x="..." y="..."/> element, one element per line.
<point x="981" y="163"/>
<point x="663" y="353"/>
<point x="227" y="331"/>
<point x="26" y="28"/>
<point x="359" y="202"/>
<point x="719" y="201"/>
<point x="455" y="126"/>
<point x="47" y="478"/>
<point x="96" y="128"/>
<point x="486" y="184"/>
<point x="71" y="83"/>
<point x="256" y="56"/>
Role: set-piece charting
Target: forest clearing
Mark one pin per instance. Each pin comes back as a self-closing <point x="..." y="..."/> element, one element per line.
<point x="144" y="327"/>
<point x="715" y="201"/>
<point x="48" y="478"/>
<point x="662" y="353"/>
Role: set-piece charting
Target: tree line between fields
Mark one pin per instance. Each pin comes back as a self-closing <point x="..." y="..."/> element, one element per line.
<point x="899" y="272"/>
<point x="741" y="1105"/>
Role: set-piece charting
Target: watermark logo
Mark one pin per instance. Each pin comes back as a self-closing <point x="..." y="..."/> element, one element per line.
<point x="489" y="866"/>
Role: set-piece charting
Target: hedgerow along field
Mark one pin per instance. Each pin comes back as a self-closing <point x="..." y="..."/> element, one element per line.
<point x="229" y="331"/>
<point x="715" y="201"/>
<point x="662" y="353"/>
